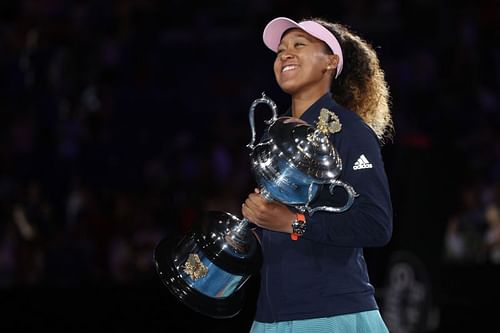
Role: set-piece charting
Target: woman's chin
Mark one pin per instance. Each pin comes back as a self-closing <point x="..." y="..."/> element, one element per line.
<point x="288" y="88"/>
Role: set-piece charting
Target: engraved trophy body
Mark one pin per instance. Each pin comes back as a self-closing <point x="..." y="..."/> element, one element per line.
<point x="208" y="267"/>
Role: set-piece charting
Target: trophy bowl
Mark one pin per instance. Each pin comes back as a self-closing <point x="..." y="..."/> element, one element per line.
<point x="294" y="160"/>
<point x="288" y="167"/>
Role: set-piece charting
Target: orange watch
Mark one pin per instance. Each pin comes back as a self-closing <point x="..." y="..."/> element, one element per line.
<point x="298" y="226"/>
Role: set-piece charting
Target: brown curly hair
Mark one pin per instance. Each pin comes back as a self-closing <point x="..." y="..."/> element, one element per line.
<point x="361" y="86"/>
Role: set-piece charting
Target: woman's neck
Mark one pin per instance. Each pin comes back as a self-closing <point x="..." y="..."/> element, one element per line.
<point x="301" y="102"/>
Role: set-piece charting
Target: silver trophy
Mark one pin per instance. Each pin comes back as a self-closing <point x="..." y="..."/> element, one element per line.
<point x="207" y="268"/>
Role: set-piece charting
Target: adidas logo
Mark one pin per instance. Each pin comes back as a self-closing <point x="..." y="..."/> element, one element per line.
<point x="362" y="163"/>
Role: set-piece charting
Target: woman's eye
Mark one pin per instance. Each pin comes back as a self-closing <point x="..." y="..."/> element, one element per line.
<point x="297" y="44"/>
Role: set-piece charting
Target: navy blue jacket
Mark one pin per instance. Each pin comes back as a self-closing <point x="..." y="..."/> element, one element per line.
<point x="324" y="272"/>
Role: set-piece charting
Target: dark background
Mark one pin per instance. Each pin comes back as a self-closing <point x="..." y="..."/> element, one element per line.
<point x="121" y="122"/>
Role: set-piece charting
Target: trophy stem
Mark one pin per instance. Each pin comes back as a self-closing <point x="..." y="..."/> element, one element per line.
<point x="236" y="237"/>
<point x="241" y="228"/>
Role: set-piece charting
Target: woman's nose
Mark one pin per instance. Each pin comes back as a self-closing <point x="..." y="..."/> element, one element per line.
<point x="286" y="55"/>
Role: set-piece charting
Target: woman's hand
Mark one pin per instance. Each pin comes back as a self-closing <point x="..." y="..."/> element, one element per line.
<point x="270" y="215"/>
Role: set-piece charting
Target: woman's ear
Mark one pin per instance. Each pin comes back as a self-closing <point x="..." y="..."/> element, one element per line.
<point x="333" y="61"/>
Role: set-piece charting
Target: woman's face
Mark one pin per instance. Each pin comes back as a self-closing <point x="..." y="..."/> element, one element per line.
<point x="301" y="63"/>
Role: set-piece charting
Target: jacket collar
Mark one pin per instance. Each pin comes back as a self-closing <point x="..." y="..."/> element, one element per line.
<point x="312" y="113"/>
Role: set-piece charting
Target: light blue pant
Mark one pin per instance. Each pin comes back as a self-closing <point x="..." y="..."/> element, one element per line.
<point x="361" y="322"/>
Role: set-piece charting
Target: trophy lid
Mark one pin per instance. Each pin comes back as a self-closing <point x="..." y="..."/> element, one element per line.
<point x="307" y="148"/>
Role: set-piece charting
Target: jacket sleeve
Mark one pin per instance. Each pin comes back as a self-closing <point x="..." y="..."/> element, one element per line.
<point x="368" y="223"/>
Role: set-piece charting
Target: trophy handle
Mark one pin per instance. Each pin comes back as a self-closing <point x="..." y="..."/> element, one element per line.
<point x="274" y="108"/>
<point x="351" y="193"/>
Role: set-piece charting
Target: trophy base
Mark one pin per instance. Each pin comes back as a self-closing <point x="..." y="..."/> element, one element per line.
<point x="219" y="308"/>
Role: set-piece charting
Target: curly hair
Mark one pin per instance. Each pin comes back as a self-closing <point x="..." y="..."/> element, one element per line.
<point x="361" y="87"/>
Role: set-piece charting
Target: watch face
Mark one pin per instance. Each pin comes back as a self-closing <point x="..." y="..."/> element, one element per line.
<point x="299" y="227"/>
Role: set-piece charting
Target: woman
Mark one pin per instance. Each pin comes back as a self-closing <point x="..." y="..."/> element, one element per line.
<point x="314" y="277"/>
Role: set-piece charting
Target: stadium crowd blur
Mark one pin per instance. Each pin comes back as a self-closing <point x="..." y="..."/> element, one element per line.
<point x="122" y="121"/>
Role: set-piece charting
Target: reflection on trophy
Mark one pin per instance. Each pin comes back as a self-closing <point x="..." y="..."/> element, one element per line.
<point x="207" y="269"/>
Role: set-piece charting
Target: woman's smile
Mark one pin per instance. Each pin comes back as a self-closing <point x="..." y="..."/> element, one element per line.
<point x="288" y="68"/>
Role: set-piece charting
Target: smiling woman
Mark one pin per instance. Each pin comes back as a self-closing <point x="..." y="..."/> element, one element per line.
<point x="314" y="277"/>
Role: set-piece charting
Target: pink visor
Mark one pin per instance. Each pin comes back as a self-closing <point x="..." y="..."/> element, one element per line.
<point x="274" y="31"/>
